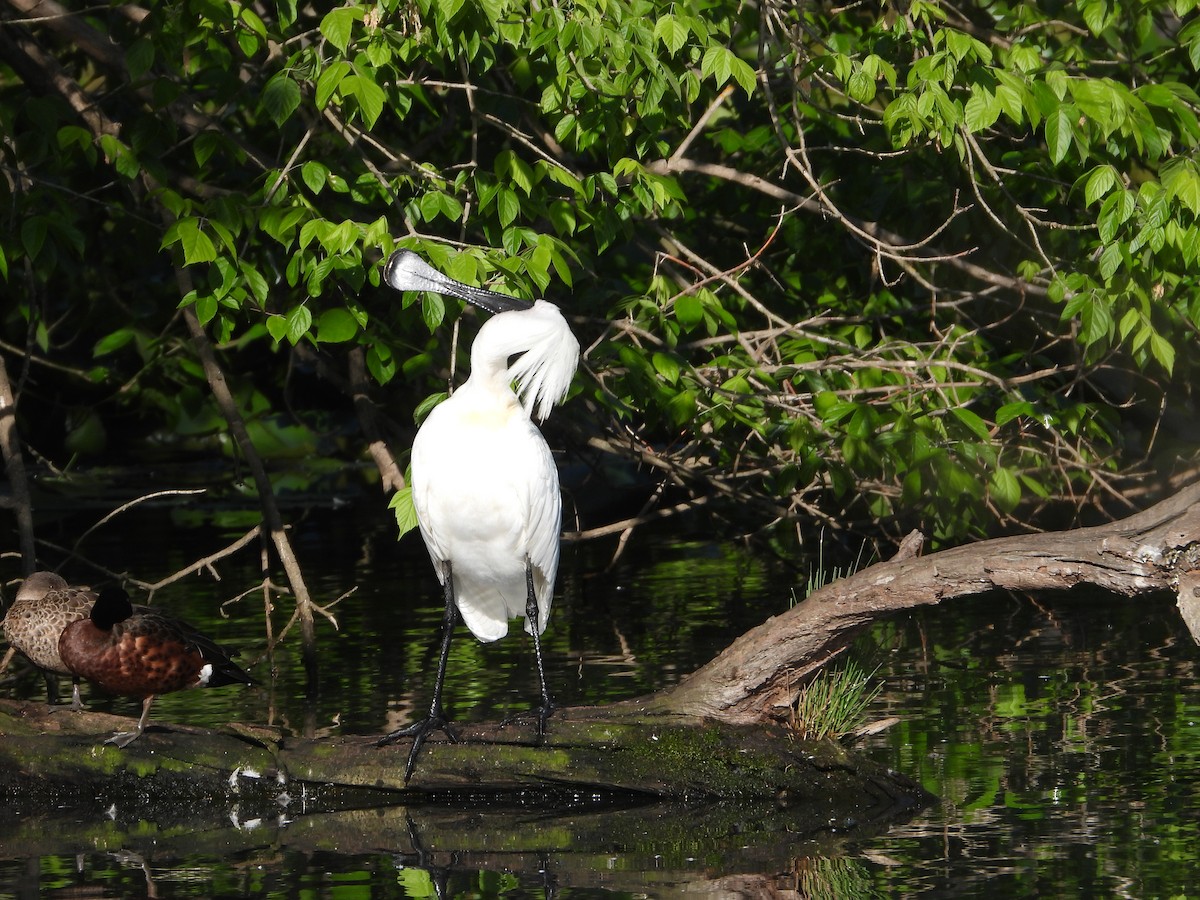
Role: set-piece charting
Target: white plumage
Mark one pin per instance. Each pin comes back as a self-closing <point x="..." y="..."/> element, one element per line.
<point x="484" y="483"/>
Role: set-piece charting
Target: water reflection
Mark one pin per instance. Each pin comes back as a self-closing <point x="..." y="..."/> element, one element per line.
<point x="1061" y="735"/>
<point x="1060" y="732"/>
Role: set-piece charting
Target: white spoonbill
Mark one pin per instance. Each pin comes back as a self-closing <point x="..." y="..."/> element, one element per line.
<point x="484" y="484"/>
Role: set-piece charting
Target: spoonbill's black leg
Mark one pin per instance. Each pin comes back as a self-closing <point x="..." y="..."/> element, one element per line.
<point x="436" y="721"/>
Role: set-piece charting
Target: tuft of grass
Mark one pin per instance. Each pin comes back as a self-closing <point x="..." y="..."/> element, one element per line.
<point x="821" y="576"/>
<point x="834" y="704"/>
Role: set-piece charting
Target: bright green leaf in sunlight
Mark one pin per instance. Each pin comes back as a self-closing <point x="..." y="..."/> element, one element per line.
<point x="315" y="174"/>
<point x="982" y="109"/>
<point x="299" y="320"/>
<point x="1180" y="177"/>
<point x="338" y="24"/>
<point x="406" y="512"/>
<point x="688" y="310"/>
<point x="335" y="326"/>
<point x="1058" y="133"/>
<point x="277" y="327"/>
<point x="1162" y="351"/>
<point x="671" y="32"/>
<point x="433" y="311"/>
<point x="196" y="245"/>
<point x="1100" y="181"/>
<point x="330" y="80"/>
<point x="206" y="308"/>
<point x="667" y="367"/>
<point x="720" y="64"/>
<point x="426" y="406"/>
<point x="369" y="95"/>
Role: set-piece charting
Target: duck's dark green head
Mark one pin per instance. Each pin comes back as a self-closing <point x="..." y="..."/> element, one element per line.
<point x="112" y="606"/>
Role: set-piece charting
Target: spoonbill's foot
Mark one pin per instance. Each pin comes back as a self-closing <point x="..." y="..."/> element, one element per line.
<point x="418" y="731"/>
<point x="539" y="714"/>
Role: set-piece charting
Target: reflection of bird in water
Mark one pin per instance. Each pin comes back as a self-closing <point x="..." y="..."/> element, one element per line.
<point x="45" y="604"/>
<point x="484" y="484"/>
<point x="138" y="652"/>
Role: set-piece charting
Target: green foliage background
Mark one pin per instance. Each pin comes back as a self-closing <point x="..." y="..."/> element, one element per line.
<point x="877" y="266"/>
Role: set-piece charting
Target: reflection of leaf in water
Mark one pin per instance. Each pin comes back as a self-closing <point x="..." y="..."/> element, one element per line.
<point x="417" y="883"/>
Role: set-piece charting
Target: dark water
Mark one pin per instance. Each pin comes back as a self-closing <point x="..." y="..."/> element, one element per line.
<point x="1060" y="732"/>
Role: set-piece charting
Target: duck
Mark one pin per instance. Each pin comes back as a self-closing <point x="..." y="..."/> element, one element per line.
<point x="45" y="605"/>
<point x="139" y="652"/>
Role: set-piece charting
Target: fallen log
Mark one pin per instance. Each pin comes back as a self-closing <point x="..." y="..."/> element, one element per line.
<point x="497" y="799"/>
<point x="581" y="762"/>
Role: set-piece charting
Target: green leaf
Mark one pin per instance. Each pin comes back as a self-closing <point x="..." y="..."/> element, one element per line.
<point x="33" y="235"/>
<point x="717" y="64"/>
<point x="337" y="25"/>
<point x="1102" y="179"/>
<point x="433" y="311"/>
<point x="982" y="109"/>
<point x="330" y="80"/>
<point x="406" y="512"/>
<point x="299" y="320"/>
<point x="1110" y="261"/>
<point x="381" y="364"/>
<point x="977" y="426"/>
<point x="314" y="175"/>
<point x="206" y="308"/>
<point x="1058" y="133"/>
<point x="1015" y="410"/>
<point x="1114" y="213"/>
<point x="671" y="32"/>
<point x="1180" y="178"/>
<point x="197" y="246"/>
<point x="336" y="326"/>
<point x="113" y="342"/>
<point x="508" y="206"/>
<point x="688" y="310"/>
<point x="1096" y="14"/>
<point x="139" y="57"/>
<point x="369" y="95"/>
<point x="425" y="407"/>
<point x="1005" y="489"/>
<point x="861" y="87"/>
<point x="280" y="97"/>
<point x="666" y="366"/>
<point x="1162" y="351"/>
<point x="277" y="327"/>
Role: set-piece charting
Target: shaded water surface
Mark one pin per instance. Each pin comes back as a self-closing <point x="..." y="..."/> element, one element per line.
<point x="1061" y="733"/>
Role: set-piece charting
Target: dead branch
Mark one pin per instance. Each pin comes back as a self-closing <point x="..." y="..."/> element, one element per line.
<point x="14" y="464"/>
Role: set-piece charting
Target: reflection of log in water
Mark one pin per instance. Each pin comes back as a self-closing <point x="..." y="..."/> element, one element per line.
<point x="594" y="796"/>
